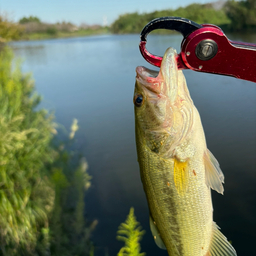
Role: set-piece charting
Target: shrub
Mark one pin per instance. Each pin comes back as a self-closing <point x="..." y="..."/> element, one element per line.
<point x="26" y="195"/>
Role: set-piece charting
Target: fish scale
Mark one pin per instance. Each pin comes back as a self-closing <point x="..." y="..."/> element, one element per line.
<point x="167" y="203"/>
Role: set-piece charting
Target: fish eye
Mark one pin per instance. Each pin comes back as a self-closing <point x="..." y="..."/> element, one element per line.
<point x="138" y="100"/>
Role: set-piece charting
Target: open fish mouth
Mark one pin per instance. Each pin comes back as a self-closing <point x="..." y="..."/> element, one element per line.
<point x="165" y="81"/>
<point x="143" y="73"/>
<point x="149" y="79"/>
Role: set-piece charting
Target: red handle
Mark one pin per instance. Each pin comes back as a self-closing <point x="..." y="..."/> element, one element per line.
<point x="232" y="58"/>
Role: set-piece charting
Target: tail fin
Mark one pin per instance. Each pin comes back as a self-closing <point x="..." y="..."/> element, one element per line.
<point x="220" y="246"/>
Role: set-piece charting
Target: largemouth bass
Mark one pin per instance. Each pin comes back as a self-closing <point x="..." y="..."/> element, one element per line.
<point x="177" y="170"/>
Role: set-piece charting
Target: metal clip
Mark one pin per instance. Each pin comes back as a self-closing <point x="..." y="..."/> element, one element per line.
<point x="181" y="25"/>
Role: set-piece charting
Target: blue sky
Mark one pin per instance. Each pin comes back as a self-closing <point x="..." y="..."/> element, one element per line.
<point x="84" y="11"/>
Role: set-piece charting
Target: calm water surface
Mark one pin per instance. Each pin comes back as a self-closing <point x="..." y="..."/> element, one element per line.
<point x="92" y="79"/>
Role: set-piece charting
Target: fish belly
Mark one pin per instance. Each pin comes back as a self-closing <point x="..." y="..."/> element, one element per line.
<point x="184" y="220"/>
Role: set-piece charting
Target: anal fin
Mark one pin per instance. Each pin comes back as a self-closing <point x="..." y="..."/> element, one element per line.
<point x="213" y="174"/>
<point x="220" y="246"/>
<point x="156" y="234"/>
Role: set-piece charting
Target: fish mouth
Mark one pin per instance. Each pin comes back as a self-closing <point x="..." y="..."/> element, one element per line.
<point x="144" y="73"/>
<point x="148" y="78"/>
<point x="168" y="82"/>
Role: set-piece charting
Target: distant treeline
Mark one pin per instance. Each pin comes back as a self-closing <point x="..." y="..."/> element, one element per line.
<point x="33" y="28"/>
<point x="230" y="15"/>
<point x="33" y="24"/>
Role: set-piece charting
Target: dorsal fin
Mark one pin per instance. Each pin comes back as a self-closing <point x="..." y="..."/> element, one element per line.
<point x="156" y="234"/>
<point x="213" y="174"/>
<point x="220" y="246"/>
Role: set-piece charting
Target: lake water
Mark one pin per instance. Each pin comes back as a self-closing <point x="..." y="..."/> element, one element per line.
<point x="92" y="79"/>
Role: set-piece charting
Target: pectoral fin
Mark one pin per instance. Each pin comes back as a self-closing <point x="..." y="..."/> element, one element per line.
<point x="220" y="246"/>
<point x="180" y="175"/>
<point x="213" y="174"/>
<point x="156" y="234"/>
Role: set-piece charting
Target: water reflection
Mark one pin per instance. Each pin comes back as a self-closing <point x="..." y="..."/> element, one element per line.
<point x="247" y="37"/>
<point x="92" y="79"/>
<point x="35" y="55"/>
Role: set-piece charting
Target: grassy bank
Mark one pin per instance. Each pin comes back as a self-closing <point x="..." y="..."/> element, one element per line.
<point x="37" y="172"/>
<point x="43" y="181"/>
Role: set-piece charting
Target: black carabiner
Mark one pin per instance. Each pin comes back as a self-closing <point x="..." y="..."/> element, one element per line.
<point x="181" y="25"/>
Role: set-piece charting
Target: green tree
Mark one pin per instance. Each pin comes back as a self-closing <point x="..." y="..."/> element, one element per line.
<point x="26" y="195"/>
<point x="130" y="232"/>
<point x="242" y="14"/>
<point x="51" y="30"/>
<point x="9" y="30"/>
<point x="200" y="13"/>
<point x="29" y="19"/>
